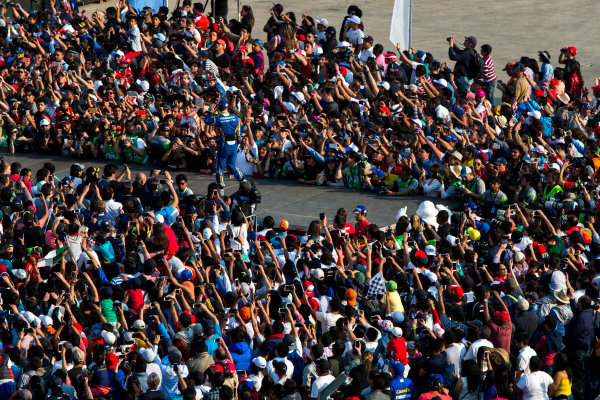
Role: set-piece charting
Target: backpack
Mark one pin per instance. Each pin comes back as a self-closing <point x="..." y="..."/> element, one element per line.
<point x="477" y="66"/>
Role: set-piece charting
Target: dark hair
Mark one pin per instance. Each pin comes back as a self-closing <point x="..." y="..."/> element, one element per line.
<point x="486" y="48"/>
<point x="535" y="363"/>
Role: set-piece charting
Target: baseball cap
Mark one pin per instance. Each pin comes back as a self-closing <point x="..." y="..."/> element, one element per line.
<point x="259" y="42"/>
<point x="391" y="285"/>
<point x="523" y="305"/>
<point x="500" y="161"/>
<point x="45" y="122"/>
<point x="139" y="325"/>
<point x="472" y="40"/>
<point x="318" y="274"/>
<point x="360" y="210"/>
<point x="260" y="362"/>
<point x="284" y="225"/>
<point x="350" y="296"/>
<point x="331" y="30"/>
<point x="323" y="22"/>
<point x="354" y="19"/>
<point x="465" y="171"/>
<point x="456" y="292"/>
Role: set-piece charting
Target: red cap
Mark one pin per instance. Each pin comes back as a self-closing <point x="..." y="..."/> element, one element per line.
<point x="217" y="368"/>
<point x="539" y="248"/>
<point x="111" y="361"/>
<point x="573" y="50"/>
<point x="502" y="316"/>
<point x="553" y="82"/>
<point x="78" y="327"/>
<point x="301" y="37"/>
<point x="228" y="367"/>
<point x="540" y="93"/>
<point x="126" y="60"/>
<point x="420" y="254"/>
<point x="308" y="288"/>
<point x="343" y="70"/>
<point x="313" y="303"/>
<point x="456" y="292"/>
<point x="384" y="110"/>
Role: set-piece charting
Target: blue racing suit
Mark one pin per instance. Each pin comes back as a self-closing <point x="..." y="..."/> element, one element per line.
<point x="228" y="127"/>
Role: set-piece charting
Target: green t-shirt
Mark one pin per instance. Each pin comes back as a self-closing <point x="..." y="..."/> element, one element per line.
<point x="106" y="306"/>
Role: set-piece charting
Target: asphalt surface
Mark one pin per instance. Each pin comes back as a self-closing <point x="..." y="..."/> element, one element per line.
<point x="298" y="204"/>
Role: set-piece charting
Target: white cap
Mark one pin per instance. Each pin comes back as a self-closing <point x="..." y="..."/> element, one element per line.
<point x="354" y="19"/>
<point x="46" y="320"/>
<point x="139" y="325"/>
<point x="519" y="257"/>
<point x="442" y="82"/>
<point x="318" y="274"/>
<point x="430" y="250"/>
<point x="384" y="84"/>
<point x="159" y="219"/>
<point x="45" y="122"/>
<point x="299" y="96"/>
<point x="535" y="114"/>
<point x="523" y="304"/>
<point x="148" y="355"/>
<point x="143" y="84"/>
<point x="206" y="233"/>
<point x="396" y="331"/>
<point x="108" y="337"/>
<point x="260" y="362"/>
<point x="323" y="22"/>
<point x="343" y="44"/>
<point x="554" y="166"/>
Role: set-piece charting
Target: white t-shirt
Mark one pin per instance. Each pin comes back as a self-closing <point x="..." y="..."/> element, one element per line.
<point x="113" y="209"/>
<point x="328" y="320"/>
<point x="245" y="167"/>
<point x="319" y="384"/>
<point x="535" y="385"/>
<point x="472" y="352"/>
<point x="525" y="355"/>
<point x="355" y="36"/>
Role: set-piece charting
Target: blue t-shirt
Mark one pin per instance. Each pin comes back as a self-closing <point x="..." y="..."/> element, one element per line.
<point x="210" y="343"/>
<point x="402" y="388"/>
<point x="166" y="212"/>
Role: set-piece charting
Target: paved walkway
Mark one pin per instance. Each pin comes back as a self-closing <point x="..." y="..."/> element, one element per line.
<point x="281" y="199"/>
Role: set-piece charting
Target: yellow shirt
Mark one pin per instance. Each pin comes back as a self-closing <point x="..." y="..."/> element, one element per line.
<point x="564" y="386"/>
<point x="395" y="301"/>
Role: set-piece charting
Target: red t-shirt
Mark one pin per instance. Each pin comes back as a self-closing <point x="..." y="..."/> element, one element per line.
<point x="501" y="334"/>
<point x="136" y="301"/>
<point x="361" y="228"/>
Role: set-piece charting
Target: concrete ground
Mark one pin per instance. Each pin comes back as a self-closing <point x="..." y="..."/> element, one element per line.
<point x="281" y="199"/>
<point x="513" y="28"/>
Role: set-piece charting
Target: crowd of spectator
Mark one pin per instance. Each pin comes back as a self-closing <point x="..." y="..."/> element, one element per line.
<point x="120" y="287"/>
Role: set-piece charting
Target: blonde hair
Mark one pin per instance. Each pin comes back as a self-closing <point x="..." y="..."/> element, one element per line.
<point x="367" y="360"/>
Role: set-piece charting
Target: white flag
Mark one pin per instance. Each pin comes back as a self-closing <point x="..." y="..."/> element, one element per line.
<point x="400" y="28"/>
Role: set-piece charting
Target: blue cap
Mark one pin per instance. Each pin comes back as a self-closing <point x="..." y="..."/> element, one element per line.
<point x="222" y="104"/>
<point x="379" y="173"/>
<point x="259" y="42"/>
<point x="342" y="135"/>
<point x="189" y="210"/>
<point x="331" y="159"/>
<point x="278" y="63"/>
<point x="451" y="138"/>
<point x="225" y="215"/>
<point x="186" y="274"/>
<point x="66" y="180"/>
<point x="501" y="161"/>
<point x="203" y="54"/>
<point x="360" y="210"/>
<point x="397" y="367"/>
<point x="459" y="112"/>
<point x="330" y="30"/>
<point x="482" y="227"/>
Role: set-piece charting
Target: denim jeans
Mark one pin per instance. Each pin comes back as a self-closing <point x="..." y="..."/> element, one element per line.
<point x="489" y="88"/>
<point x="579" y="361"/>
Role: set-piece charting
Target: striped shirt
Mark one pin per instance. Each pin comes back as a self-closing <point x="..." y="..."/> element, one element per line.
<point x="211" y="67"/>
<point x="488" y="69"/>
